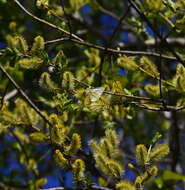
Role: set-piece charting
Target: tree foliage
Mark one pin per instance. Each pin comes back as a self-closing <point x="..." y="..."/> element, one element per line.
<point x="94" y="89"/>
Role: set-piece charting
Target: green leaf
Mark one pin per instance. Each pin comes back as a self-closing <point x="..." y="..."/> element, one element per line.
<point x="40" y="182"/>
<point x="169" y="175"/>
<point x="76" y="4"/>
<point x="153" y="5"/>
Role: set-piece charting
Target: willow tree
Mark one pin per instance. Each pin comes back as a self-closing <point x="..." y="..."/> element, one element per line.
<point x="95" y="89"/>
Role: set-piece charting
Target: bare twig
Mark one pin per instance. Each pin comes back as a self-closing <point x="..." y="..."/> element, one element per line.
<point x="78" y="40"/>
<point x="108" y="44"/>
<point x="142" y="15"/>
<point x="24" y="151"/>
<point x="113" y="51"/>
<point x="94" y="187"/>
<point x="46" y="22"/>
<point x="28" y="100"/>
<point x="118" y="94"/>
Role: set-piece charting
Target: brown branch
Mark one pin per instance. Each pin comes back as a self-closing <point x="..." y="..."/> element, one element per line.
<point x="113" y="51"/>
<point x="24" y="151"/>
<point x="171" y="41"/>
<point x="175" y="142"/>
<point x="46" y="22"/>
<point x="142" y="15"/>
<point x="166" y="108"/>
<point x="89" y="27"/>
<point x="109" y="43"/>
<point x="118" y="94"/>
<point x="25" y="97"/>
<point x="93" y="187"/>
<point x="78" y="40"/>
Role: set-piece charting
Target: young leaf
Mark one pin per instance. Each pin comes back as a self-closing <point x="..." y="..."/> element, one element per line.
<point x="40" y="182"/>
<point x="169" y="175"/>
<point x="76" y="4"/>
<point x="153" y="5"/>
<point x="149" y="174"/>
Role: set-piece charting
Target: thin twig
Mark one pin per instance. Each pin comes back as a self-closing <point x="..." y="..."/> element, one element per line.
<point x="28" y="100"/>
<point x="24" y="151"/>
<point x="93" y="187"/>
<point x="4" y="94"/>
<point x="155" y="31"/>
<point x="108" y="44"/>
<point x="113" y="51"/>
<point x="46" y="22"/>
<point x="166" y="108"/>
<point x="118" y="94"/>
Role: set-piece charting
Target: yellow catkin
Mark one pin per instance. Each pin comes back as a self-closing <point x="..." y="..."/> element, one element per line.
<point x="78" y="169"/>
<point x="115" y="168"/>
<point x="75" y="145"/>
<point x="141" y="154"/>
<point x="159" y="152"/>
<point x="38" y="44"/>
<point x="125" y="185"/>
<point x="60" y="159"/>
<point x="112" y="137"/>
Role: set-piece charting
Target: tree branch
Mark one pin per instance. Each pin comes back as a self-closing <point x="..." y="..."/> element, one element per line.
<point x="94" y="187"/>
<point x="25" y="97"/>
<point x="113" y="51"/>
<point x="142" y="15"/>
<point x="46" y="22"/>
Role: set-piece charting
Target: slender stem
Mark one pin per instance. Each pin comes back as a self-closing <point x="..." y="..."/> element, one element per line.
<point x="28" y="100"/>
<point x="142" y="15"/>
<point x="46" y="22"/>
<point x="113" y="51"/>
